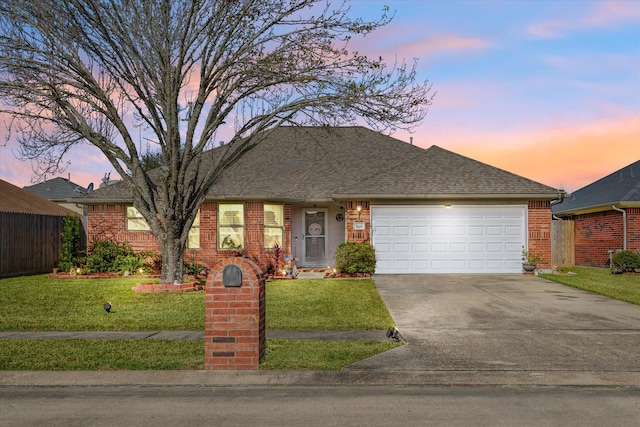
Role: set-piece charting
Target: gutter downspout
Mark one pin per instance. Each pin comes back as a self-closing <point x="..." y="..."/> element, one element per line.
<point x="561" y="196"/>
<point x="624" y="226"/>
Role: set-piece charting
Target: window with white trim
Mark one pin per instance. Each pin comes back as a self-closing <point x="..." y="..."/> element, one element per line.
<point x="193" y="241"/>
<point x="273" y="225"/>
<point x="135" y="220"/>
<point x="230" y="226"/>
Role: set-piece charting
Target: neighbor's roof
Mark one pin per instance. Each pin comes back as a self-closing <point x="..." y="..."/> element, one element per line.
<point x="621" y="188"/>
<point x="58" y="189"/>
<point x="16" y="200"/>
<point x="320" y="164"/>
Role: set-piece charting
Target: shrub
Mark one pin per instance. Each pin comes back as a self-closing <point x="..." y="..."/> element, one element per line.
<point x="131" y="263"/>
<point x="352" y="257"/>
<point x="193" y="268"/>
<point x="104" y="256"/>
<point x="626" y="260"/>
<point x="70" y="240"/>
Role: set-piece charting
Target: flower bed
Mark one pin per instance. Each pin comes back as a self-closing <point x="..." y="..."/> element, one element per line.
<point x="149" y="288"/>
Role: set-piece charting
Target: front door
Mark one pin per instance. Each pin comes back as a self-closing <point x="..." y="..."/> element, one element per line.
<point x="315" y="238"/>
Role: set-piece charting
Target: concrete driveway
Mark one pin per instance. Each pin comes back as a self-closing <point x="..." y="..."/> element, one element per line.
<point x="507" y="324"/>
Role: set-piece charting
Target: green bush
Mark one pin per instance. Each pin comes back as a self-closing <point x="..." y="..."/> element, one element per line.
<point x="105" y="256"/>
<point x="70" y="242"/>
<point x="132" y="263"/>
<point x="352" y="257"/>
<point x="626" y="260"/>
<point x="193" y="268"/>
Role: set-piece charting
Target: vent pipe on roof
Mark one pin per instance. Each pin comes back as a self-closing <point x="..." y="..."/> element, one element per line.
<point x="624" y="226"/>
<point x="411" y="140"/>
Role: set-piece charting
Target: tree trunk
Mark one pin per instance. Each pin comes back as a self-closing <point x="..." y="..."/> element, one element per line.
<point x="172" y="260"/>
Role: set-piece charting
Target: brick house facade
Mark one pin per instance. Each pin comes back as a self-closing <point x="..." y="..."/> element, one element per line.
<point x="598" y="212"/>
<point x="109" y="222"/>
<point x="327" y="198"/>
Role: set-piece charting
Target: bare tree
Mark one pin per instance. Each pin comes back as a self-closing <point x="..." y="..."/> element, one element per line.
<point x="93" y="71"/>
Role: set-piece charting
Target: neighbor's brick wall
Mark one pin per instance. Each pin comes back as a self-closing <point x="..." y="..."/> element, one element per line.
<point x="539" y="218"/>
<point x="597" y="233"/>
<point x="633" y="228"/>
<point x="109" y="222"/>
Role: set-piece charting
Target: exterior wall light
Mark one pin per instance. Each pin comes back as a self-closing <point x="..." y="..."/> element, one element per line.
<point x="447" y="206"/>
<point x="359" y="209"/>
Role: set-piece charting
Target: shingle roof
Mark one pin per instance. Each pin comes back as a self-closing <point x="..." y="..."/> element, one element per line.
<point x="56" y="189"/>
<point x="16" y="200"/>
<point x="621" y="188"/>
<point x="314" y="163"/>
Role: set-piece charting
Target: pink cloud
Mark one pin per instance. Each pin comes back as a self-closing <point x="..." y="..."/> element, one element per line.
<point x="567" y="157"/>
<point x="443" y="43"/>
<point x="606" y="14"/>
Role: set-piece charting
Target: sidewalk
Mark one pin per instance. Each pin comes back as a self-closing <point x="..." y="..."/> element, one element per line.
<point x="194" y="335"/>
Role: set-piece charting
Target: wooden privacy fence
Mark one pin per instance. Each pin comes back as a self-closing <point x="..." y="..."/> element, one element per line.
<point x="29" y="243"/>
<point x="562" y="242"/>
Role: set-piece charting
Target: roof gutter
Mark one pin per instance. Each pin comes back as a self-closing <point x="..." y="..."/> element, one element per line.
<point x="448" y="196"/>
<point x="597" y="208"/>
<point x="624" y="226"/>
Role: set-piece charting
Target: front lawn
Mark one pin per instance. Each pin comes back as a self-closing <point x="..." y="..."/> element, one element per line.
<point x="623" y="287"/>
<point x="37" y="303"/>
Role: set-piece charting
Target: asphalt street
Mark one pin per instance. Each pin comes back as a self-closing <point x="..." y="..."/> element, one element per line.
<point x="318" y="406"/>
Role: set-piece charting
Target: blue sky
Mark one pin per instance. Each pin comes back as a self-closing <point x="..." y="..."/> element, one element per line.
<point x="549" y="90"/>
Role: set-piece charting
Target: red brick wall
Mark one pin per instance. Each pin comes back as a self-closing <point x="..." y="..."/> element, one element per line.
<point x="597" y="233"/>
<point x="539" y="218"/>
<point x="235" y="318"/>
<point x="358" y="236"/>
<point x="109" y="222"/>
<point x="633" y="228"/>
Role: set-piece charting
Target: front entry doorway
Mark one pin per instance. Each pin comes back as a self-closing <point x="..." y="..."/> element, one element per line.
<point x="315" y="237"/>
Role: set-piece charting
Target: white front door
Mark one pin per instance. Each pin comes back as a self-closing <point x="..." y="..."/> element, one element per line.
<point x="315" y="237"/>
<point x="461" y="239"/>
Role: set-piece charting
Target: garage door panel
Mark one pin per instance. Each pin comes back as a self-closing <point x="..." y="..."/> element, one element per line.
<point x="424" y="239"/>
<point x="458" y="247"/>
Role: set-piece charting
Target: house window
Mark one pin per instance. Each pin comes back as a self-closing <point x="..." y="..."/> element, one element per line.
<point x="135" y="220"/>
<point x="273" y="225"/>
<point x="194" y="233"/>
<point x="230" y="226"/>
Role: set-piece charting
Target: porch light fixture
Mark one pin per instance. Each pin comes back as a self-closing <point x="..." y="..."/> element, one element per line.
<point x="359" y="209"/>
<point x="447" y="206"/>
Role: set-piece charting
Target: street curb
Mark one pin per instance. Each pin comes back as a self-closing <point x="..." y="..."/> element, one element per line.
<point x="317" y="378"/>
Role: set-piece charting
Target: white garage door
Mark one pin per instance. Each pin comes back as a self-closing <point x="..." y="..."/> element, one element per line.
<point x="461" y="239"/>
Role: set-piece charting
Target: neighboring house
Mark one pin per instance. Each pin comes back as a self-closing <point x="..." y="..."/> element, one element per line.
<point x="606" y="215"/>
<point x="30" y="228"/>
<point x="59" y="190"/>
<point x="310" y="188"/>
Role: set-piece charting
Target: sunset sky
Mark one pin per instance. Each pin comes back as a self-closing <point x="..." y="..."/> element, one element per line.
<point x="549" y="90"/>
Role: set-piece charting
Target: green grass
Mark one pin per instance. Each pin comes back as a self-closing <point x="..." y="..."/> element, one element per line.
<point x="344" y="304"/>
<point x="623" y="287"/>
<point x="100" y="354"/>
<point x="319" y="355"/>
<point x="120" y="354"/>
<point x="37" y="303"/>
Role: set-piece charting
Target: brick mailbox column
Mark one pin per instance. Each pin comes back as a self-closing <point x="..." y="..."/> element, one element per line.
<point x="235" y="316"/>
